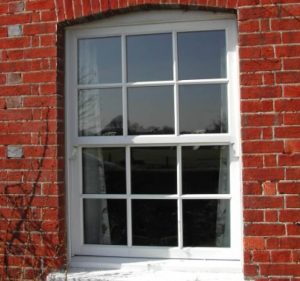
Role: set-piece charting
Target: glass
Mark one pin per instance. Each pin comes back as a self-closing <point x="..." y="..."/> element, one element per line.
<point x="153" y="170"/>
<point x="100" y="112"/>
<point x="154" y="223"/>
<point x="205" y="170"/>
<point x="201" y="54"/>
<point x="150" y="110"/>
<point x="206" y="223"/>
<point x="99" y="60"/>
<point x="105" y="221"/>
<point x="203" y="109"/>
<point x="149" y="57"/>
<point x="104" y="170"/>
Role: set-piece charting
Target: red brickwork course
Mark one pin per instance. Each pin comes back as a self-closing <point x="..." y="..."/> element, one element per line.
<point x="32" y="184"/>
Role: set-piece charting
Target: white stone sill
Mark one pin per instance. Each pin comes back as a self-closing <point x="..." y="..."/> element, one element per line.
<point x="142" y="270"/>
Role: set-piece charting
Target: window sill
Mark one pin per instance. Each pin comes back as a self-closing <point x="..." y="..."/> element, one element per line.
<point x="109" y="269"/>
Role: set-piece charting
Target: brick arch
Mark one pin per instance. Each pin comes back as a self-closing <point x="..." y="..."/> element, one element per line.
<point x="83" y="9"/>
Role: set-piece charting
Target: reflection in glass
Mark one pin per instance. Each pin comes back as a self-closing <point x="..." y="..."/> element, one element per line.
<point x="153" y="170"/>
<point x="150" y="110"/>
<point x="205" y="170"/>
<point x="206" y="223"/>
<point x="202" y="109"/>
<point x="149" y="57"/>
<point x="105" y="221"/>
<point x="201" y="55"/>
<point x="100" y="112"/>
<point x="99" y="60"/>
<point x="154" y="222"/>
<point x="103" y="170"/>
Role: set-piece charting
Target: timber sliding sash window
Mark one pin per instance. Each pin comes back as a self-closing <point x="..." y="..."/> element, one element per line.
<point x="153" y="141"/>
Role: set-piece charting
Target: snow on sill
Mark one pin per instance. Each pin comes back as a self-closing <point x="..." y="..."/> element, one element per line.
<point x="129" y="270"/>
<point x="79" y="274"/>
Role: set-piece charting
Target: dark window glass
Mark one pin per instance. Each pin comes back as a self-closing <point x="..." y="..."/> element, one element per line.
<point x="105" y="221"/>
<point x="99" y="60"/>
<point x="202" y="109"/>
<point x="206" y="223"/>
<point x="154" y="222"/>
<point x="205" y="170"/>
<point x="100" y="112"/>
<point x="153" y="170"/>
<point x="150" y="110"/>
<point x="103" y="170"/>
<point x="201" y="55"/>
<point x="149" y="57"/>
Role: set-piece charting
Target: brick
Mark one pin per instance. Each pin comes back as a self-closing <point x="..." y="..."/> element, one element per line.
<point x="263" y="174"/>
<point x="289" y="187"/>
<point x="252" y="243"/>
<point x="287" y="132"/>
<point x="292" y="146"/>
<point x="262" y="146"/>
<point x="293" y="201"/>
<point x="261" y="256"/>
<point x="260" y="229"/>
<point x="263" y="202"/>
<point x="40" y="5"/>
<point x="280" y="269"/>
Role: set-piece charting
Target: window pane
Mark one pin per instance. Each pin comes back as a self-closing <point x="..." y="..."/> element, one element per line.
<point x="103" y="170"/>
<point x="206" y="223"/>
<point x="105" y="221"/>
<point x="201" y="55"/>
<point x="149" y="57"/>
<point x="153" y="170"/>
<point x="99" y="60"/>
<point x="154" y="222"/>
<point x="150" y="110"/>
<point x="100" y="112"/>
<point x="202" y="109"/>
<point x="205" y="170"/>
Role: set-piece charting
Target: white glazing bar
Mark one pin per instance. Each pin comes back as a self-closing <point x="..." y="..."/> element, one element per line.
<point x="153" y="196"/>
<point x="128" y="201"/>
<point x="203" y="81"/>
<point x="206" y="196"/>
<point x="100" y="86"/>
<point x="175" y="77"/>
<point x="124" y="88"/>
<point x="179" y="201"/>
<point x="152" y="83"/>
<point x="201" y="139"/>
<point x="104" y="196"/>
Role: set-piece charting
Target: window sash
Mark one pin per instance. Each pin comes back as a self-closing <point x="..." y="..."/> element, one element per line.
<point x="231" y="138"/>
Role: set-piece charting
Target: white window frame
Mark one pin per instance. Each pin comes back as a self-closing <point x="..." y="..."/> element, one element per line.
<point x="143" y="23"/>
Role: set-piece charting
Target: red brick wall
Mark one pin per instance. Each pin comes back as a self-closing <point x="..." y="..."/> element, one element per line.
<point x="32" y="190"/>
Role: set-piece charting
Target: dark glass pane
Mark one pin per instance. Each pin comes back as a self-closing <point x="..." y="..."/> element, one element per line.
<point x="202" y="109"/>
<point x="103" y="170"/>
<point x="105" y="221"/>
<point x="150" y="110"/>
<point x="154" y="222"/>
<point x="99" y="60"/>
<point x="205" y="170"/>
<point x="206" y="223"/>
<point x="201" y="55"/>
<point x="153" y="170"/>
<point x="100" y="112"/>
<point x="149" y="57"/>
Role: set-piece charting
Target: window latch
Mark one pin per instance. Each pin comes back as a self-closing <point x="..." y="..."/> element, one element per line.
<point x="73" y="153"/>
<point x="236" y="149"/>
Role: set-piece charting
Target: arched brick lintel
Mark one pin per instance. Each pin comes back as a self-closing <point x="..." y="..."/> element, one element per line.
<point x="93" y="10"/>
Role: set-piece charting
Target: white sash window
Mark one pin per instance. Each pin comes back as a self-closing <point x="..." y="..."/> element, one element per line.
<point x="153" y="136"/>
